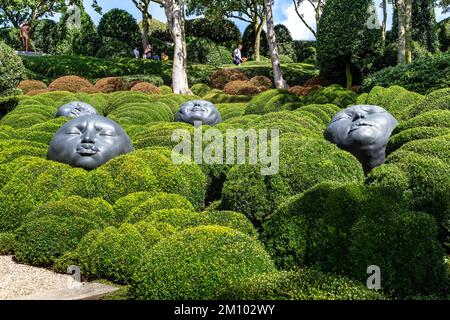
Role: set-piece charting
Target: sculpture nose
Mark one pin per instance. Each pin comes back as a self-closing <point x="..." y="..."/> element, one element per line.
<point x="88" y="138"/>
<point x="358" y="115"/>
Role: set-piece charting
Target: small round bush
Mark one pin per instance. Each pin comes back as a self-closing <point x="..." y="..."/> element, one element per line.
<point x="110" y="84"/>
<point x="41" y="241"/>
<point x="199" y="263"/>
<point x="112" y="253"/>
<point x="89" y="90"/>
<point x="231" y="110"/>
<point x="270" y="101"/>
<point x="303" y="91"/>
<point x="158" y="201"/>
<point x="221" y="77"/>
<point x="261" y="82"/>
<point x="29" y="85"/>
<point x="218" y="96"/>
<point x="146" y="87"/>
<point x="69" y="83"/>
<point x="200" y="89"/>
<point x="166" y="90"/>
<point x="11" y="69"/>
<point x="239" y="87"/>
<point x="301" y="284"/>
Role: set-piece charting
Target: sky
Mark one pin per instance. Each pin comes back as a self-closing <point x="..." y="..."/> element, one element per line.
<point x="284" y="13"/>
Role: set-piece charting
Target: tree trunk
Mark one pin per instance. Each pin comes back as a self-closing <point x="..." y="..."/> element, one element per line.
<point x="401" y="17"/>
<point x="408" y="29"/>
<point x="272" y="40"/>
<point x="349" y="76"/>
<point x="257" y="48"/>
<point x="145" y="28"/>
<point x="384" y="24"/>
<point x="175" y="19"/>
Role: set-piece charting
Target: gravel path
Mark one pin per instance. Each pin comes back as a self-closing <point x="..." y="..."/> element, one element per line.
<point x="18" y="280"/>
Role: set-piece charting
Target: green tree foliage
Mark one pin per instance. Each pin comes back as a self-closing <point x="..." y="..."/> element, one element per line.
<point x="248" y="42"/>
<point x="285" y="41"/>
<point x="444" y="34"/>
<point x="45" y="36"/>
<point x="424" y="24"/>
<point x="220" y="31"/>
<point x="344" y="41"/>
<point x="121" y="26"/>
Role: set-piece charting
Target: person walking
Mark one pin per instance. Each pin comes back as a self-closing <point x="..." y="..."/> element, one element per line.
<point x="237" y="55"/>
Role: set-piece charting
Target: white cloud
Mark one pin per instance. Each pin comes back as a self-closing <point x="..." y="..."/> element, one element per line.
<point x="298" y="29"/>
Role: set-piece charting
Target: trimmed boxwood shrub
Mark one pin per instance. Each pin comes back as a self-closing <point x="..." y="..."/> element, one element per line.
<point x="324" y="112"/>
<point x="413" y="134"/>
<point x="165" y="90"/>
<point x="69" y="83"/>
<point x="96" y="210"/>
<point x="11" y="69"/>
<point x="141" y="113"/>
<point x="123" y="206"/>
<point x="333" y="94"/>
<point x="158" y="201"/>
<point x="218" y="96"/>
<point x="152" y="232"/>
<point x="302" y="284"/>
<point x="183" y="218"/>
<point x="146" y="87"/>
<point x="7" y="243"/>
<point x="405" y="248"/>
<point x="261" y="82"/>
<point x="29" y="85"/>
<point x="437" y="100"/>
<point x="110" y="84"/>
<point x="231" y="110"/>
<point x="246" y="190"/>
<point x="221" y="77"/>
<point x="113" y="253"/>
<point x="239" y="87"/>
<point x="12" y="149"/>
<point x="200" y="89"/>
<point x="41" y="241"/>
<point x="270" y="101"/>
<point x="159" y="134"/>
<point x="199" y="263"/>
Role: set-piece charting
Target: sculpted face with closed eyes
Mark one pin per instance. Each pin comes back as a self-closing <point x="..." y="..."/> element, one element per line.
<point x="198" y="110"/>
<point x="88" y="142"/>
<point x="364" y="131"/>
<point x="76" y="109"/>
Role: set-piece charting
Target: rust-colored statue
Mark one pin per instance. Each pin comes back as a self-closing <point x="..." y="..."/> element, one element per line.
<point x="25" y="35"/>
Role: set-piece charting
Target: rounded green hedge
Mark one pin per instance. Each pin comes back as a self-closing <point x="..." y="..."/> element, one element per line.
<point x="7" y="243"/>
<point x="333" y="94"/>
<point x="270" y="101"/>
<point x="159" y="134"/>
<point x="158" y="201"/>
<point x="246" y="190"/>
<point x="141" y="113"/>
<point x="198" y="263"/>
<point x="41" y="241"/>
<point x="231" y="110"/>
<point x="303" y="284"/>
<point x="112" y="253"/>
<point x="11" y="149"/>
<point x="200" y="89"/>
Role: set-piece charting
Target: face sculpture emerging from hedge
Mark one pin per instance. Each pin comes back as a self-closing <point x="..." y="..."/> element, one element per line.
<point x="198" y="110"/>
<point x="88" y="142"/>
<point x="364" y="131"/>
<point x="75" y="109"/>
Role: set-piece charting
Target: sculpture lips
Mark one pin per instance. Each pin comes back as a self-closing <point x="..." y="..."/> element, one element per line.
<point x="87" y="150"/>
<point x="358" y="125"/>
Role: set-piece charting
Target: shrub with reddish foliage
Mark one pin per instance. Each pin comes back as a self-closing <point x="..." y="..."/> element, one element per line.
<point x="30" y="85"/>
<point x="89" y="90"/>
<point x="110" y="84"/>
<point x="303" y="91"/>
<point x="69" y="83"/>
<point x="317" y="80"/>
<point x="146" y="87"/>
<point x="261" y="82"/>
<point x="36" y="92"/>
<point x="220" y="78"/>
<point x="239" y="87"/>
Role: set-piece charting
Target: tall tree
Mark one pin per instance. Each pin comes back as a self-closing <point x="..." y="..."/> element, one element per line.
<point x="344" y="41"/>
<point x="175" y="10"/>
<point x="318" y="8"/>
<point x="425" y="25"/>
<point x="272" y="40"/>
<point x="404" y="20"/>
<point x="251" y="11"/>
<point x="384" y="4"/>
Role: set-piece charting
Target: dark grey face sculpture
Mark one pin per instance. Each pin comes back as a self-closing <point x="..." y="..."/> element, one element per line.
<point x="88" y="142"/>
<point x="198" y="110"/>
<point x="364" y="131"/>
<point x="75" y="109"/>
